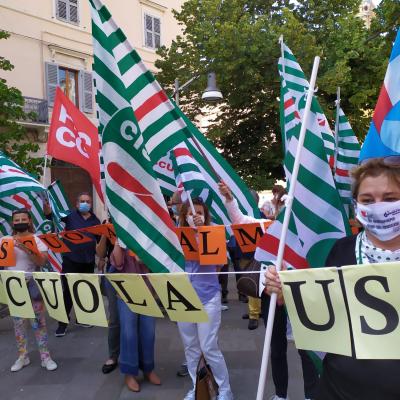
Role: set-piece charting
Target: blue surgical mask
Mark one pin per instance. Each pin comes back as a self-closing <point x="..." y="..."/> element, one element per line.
<point x="84" y="207"/>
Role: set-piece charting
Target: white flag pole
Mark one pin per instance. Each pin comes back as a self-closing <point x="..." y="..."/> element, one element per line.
<point x="46" y="157"/>
<point x="285" y="225"/>
<point x="337" y="128"/>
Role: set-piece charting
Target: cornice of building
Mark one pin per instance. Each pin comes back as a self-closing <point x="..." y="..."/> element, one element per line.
<point x="154" y="4"/>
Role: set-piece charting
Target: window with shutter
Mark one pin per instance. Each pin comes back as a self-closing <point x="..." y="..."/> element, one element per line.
<point x="67" y="11"/>
<point x="52" y="81"/>
<point x="62" y="9"/>
<point x="152" y="31"/>
<point x="73" y="11"/>
<point x="86" y="92"/>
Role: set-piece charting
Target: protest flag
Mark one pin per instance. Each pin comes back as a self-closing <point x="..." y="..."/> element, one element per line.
<point x="297" y="83"/>
<point x="129" y="140"/>
<point x="74" y="139"/>
<point x="383" y="138"/>
<point x="347" y="154"/>
<point x="14" y="179"/>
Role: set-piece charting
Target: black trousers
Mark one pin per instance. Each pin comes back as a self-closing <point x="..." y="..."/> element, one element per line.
<point x="223" y="280"/>
<point x="279" y="363"/>
<point x="68" y="267"/>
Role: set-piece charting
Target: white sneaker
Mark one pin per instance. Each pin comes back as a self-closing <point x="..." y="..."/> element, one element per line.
<point x="20" y="363"/>
<point x="275" y="397"/>
<point x="49" y="364"/>
<point x="224" y="307"/>
<point x="190" y="395"/>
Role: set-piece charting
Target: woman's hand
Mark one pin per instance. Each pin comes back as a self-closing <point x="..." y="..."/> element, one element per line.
<point x="198" y="220"/>
<point x="273" y="283"/>
<point x="225" y="191"/>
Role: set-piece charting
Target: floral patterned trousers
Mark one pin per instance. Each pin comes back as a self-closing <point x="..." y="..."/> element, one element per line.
<point x="39" y="327"/>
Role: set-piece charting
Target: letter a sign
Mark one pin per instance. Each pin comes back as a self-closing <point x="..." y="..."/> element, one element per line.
<point x="74" y="139"/>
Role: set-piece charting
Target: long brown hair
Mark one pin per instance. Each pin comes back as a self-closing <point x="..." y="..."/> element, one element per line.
<point x="23" y="211"/>
<point x="198" y="201"/>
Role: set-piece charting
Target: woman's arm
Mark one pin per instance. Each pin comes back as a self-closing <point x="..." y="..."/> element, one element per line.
<point x="117" y="256"/>
<point x="39" y="259"/>
<point x="236" y="216"/>
<point x="101" y="247"/>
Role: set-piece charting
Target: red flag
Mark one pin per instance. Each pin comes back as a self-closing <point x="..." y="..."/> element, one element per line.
<point x="74" y="139"/>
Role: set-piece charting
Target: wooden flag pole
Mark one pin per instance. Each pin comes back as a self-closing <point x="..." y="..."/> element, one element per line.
<point x="285" y="225"/>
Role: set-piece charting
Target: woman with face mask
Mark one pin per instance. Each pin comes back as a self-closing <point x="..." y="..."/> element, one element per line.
<point x="376" y="193"/>
<point x="202" y="338"/>
<point x="28" y="261"/>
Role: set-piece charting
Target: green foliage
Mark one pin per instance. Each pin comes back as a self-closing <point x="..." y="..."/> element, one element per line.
<point x="238" y="39"/>
<point x="14" y="141"/>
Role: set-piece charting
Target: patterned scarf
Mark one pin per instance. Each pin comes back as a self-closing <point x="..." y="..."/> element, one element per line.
<point x="367" y="253"/>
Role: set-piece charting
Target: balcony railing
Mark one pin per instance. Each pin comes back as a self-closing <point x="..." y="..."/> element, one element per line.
<point x="39" y="107"/>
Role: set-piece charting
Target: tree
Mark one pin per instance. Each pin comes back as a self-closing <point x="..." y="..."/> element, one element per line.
<point x="14" y="143"/>
<point x="238" y="39"/>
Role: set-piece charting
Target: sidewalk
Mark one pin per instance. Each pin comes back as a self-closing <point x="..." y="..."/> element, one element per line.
<point x="81" y="353"/>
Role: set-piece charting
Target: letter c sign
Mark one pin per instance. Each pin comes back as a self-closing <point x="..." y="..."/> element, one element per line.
<point x="67" y="138"/>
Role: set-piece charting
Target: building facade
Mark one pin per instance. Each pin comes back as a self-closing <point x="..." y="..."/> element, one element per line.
<point x="51" y="45"/>
<point x="366" y="12"/>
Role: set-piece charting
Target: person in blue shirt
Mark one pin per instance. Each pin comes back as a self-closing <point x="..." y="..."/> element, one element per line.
<point x="81" y="258"/>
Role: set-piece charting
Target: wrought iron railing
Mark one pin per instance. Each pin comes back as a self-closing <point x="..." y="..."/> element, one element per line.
<point x="39" y="108"/>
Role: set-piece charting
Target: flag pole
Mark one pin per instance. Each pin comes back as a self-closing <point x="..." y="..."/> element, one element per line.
<point x="285" y="225"/>
<point x="46" y="157"/>
<point x="337" y="128"/>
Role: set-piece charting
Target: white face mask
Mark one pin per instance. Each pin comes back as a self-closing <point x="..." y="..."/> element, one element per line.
<point x="381" y="219"/>
<point x="189" y="219"/>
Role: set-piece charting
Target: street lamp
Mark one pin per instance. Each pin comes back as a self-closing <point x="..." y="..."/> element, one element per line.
<point x="211" y="93"/>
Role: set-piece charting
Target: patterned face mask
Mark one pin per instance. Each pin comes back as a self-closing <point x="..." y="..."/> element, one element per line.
<point x="381" y="219"/>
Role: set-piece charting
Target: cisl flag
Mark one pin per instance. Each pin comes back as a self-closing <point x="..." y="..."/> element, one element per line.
<point x="74" y="139"/>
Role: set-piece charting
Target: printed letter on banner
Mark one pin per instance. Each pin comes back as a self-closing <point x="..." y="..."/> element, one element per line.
<point x="134" y="292"/>
<point x="87" y="299"/>
<point x="248" y="235"/>
<point x="18" y="299"/>
<point x="7" y="255"/>
<point x="374" y="303"/>
<point x="187" y="239"/>
<point x="75" y="237"/>
<point x="54" y="243"/>
<point x="316" y="309"/>
<point x="49" y="284"/>
<point x="212" y="245"/>
<point x="178" y="297"/>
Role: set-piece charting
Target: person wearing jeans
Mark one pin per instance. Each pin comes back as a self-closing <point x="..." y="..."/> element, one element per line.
<point x="137" y="331"/>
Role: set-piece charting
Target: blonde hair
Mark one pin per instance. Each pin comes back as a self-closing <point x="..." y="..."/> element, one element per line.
<point x="373" y="168"/>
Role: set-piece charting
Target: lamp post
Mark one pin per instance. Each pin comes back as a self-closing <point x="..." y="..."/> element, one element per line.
<point x="211" y="93"/>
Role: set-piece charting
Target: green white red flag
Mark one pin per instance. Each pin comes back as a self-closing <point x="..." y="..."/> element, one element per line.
<point x="130" y="138"/>
<point x="318" y="218"/>
<point x="348" y="153"/>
